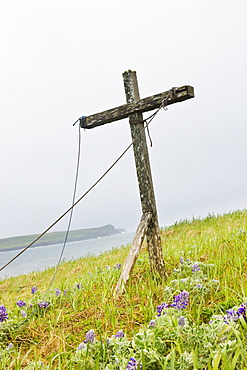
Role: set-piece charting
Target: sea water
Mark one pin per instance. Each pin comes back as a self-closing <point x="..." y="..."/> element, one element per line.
<point x="39" y="258"/>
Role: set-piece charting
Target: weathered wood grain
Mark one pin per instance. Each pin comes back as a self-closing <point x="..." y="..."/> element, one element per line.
<point x="134" y="251"/>
<point x="144" y="176"/>
<point x="138" y="105"/>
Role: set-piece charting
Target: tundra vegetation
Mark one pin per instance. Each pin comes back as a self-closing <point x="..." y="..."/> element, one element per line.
<point x="196" y="319"/>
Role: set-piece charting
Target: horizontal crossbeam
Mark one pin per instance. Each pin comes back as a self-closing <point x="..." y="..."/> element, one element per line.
<point x="143" y="105"/>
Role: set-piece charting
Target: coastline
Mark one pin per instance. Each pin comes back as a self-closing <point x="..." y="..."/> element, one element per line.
<point x="58" y="237"/>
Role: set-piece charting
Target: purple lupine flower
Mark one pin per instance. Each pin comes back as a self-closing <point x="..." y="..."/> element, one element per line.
<point x="119" y="334"/>
<point x="10" y="346"/>
<point x="90" y="336"/>
<point x="195" y="267"/>
<point x="181" y="300"/>
<point x="21" y="303"/>
<point x="23" y="313"/>
<point x="181" y="321"/>
<point x="184" y="280"/>
<point x="161" y="307"/>
<point x="181" y="260"/>
<point x="57" y="291"/>
<point x="3" y="313"/>
<point x="34" y="290"/>
<point x="78" y="285"/>
<point x="118" y="266"/>
<point x="152" y="324"/>
<point x="80" y="347"/>
<point x="43" y="304"/>
<point x="232" y="316"/>
<point x="242" y="310"/>
<point x="133" y="364"/>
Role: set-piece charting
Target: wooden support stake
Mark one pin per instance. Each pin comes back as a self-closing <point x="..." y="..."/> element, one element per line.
<point x="134" y="251"/>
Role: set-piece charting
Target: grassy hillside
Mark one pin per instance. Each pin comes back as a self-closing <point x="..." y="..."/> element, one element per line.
<point x="19" y="242"/>
<point x="196" y="319"/>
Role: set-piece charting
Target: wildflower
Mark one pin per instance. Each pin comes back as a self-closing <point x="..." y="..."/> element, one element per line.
<point x="43" y="304"/>
<point x="10" y="346"/>
<point x="119" y="334"/>
<point x="3" y="313"/>
<point x="107" y="267"/>
<point x="199" y="286"/>
<point x="90" y="336"/>
<point x="78" y="285"/>
<point x="161" y="307"/>
<point x="34" y="290"/>
<point x="152" y="324"/>
<point x="23" y="313"/>
<point x="118" y="266"/>
<point x="232" y="316"/>
<point x="181" y="260"/>
<point x="242" y="310"/>
<point x="195" y="267"/>
<point x="181" y="321"/>
<point x="80" y="347"/>
<point x="184" y="280"/>
<point x="20" y="303"/>
<point x="181" y="300"/>
<point x="57" y="291"/>
<point x="133" y="364"/>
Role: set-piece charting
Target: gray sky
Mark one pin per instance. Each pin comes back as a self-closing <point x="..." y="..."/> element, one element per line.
<point x="64" y="59"/>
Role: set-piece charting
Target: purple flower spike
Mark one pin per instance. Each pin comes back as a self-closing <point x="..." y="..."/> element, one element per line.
<point x="232" y="316"/>
<point x="120" y="334"/>
<point x="133" y="364"/>
<point x="57" y="291"/>
<point x="195" y="267"/>
<point x="43" y="304"/>
<point x="181" y="300"/>
<point x="181" y="321"/>
<point x="118" y="266"/>
<point x="181" y="260"/>
<point x="161" y="307"/>
<point x="20" y="303"/>
<point x="81" y="347"/>
<point x="3" y="313"/>
<point x="34" y="290"/>
<point x="23" y="313"/>
<point x="152" y="324"/>
<point x="90" y="336"/>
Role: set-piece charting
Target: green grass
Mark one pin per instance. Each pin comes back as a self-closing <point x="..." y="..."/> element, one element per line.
<point x="52" y="335"/>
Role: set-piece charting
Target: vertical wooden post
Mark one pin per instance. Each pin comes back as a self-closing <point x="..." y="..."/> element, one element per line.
<point x="144" y="176"/>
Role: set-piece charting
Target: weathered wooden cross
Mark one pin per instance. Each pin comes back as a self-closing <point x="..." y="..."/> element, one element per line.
<point x="149" y="225"/>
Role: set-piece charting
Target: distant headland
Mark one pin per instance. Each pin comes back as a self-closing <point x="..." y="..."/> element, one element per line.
<point x="57" y="237"/>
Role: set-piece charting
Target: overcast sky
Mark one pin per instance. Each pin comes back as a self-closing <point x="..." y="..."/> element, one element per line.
<point x="64" y="59"/>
